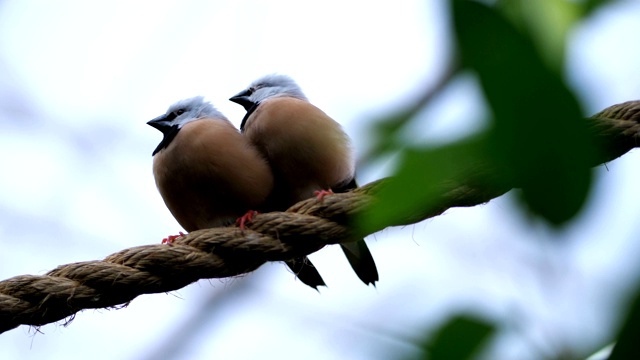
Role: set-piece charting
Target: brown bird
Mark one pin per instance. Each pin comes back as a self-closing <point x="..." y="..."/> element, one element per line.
<point x="307" y="150"/>
<point x="209" y="174"/>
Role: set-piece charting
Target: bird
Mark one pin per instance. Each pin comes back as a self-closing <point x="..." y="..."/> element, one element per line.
<point x="208" y="174"/>
<point x="308" y="151"/>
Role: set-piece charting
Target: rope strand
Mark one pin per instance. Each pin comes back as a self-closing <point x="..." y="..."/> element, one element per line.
<point x="223" y="252"/>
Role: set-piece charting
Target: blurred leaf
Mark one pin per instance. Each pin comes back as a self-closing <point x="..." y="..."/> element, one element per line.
<point x="589" y="6"/>
<point x="425" y="174"/>
<point x="627" y="344"/>
<point x="460" y="338"/>
<point x="386" y="133"/>
<point x="387" y="129"/>
<point x="547" y="22"/>
<point x="539" y="138"/>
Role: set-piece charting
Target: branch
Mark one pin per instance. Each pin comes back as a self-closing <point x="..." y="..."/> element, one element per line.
<point x="223" y="252"/>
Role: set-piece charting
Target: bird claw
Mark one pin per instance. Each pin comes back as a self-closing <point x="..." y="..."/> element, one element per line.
<point x="246" y="218"/>
<point x="320" y="194"/>
<point x="171" y="238"/>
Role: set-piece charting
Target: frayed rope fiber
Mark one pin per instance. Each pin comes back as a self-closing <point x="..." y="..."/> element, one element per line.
<point x="224" y="252"/>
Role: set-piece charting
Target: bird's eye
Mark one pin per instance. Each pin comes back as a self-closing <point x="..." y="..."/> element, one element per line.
<point x="252" y="90"/>
<point x="179" y="112"/>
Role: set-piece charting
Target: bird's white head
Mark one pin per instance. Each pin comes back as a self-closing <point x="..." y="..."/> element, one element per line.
<point x="266" y="87"/>
<point x="185" y="111"/>
<point x="181" y="113"/>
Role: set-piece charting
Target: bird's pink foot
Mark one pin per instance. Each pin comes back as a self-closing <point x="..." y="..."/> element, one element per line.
<point x="171" y="238"/>
<point x="320" y="194"/>
<point x="246" y="218"/>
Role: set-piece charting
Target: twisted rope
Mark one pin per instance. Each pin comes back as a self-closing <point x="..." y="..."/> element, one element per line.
<point x="223" y="252"/>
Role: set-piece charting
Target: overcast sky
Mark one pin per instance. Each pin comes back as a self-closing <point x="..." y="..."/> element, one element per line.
<point x="79" y="80"/>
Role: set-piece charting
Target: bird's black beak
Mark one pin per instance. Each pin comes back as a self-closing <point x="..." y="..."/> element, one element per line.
<point x="243" y="98"/>
<point x="160" y="123"/>
<point x="163" y="123"/>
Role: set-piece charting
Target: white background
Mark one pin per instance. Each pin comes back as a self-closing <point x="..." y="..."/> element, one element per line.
<point x="78" y="81"/>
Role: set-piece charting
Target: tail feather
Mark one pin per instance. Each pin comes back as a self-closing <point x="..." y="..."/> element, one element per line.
<point x="357" y="252"/>
<point x="361" y="261"/>
<point x="306" y="272"/>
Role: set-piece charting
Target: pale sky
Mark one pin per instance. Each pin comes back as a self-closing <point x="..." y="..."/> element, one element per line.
<point x="79" y="80"/>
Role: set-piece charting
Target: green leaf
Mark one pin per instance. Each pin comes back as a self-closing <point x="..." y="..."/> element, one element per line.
<point x="590" y="6"/>
<point x="547" y="22"/>
<point x="627" y="343"/>
<point x="539" y="137"/>
<point x="417" y="184"/>
<point x="425" y="175"/>
<point x="460" y="338"/>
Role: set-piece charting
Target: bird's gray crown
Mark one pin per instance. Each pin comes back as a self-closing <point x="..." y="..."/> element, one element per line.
<point x="275" y="85"/>
<point x="187" y="110"/>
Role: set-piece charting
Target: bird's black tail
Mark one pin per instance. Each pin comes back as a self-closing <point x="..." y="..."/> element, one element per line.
<point x="357" y="252"/>
<point x="306" y="272"/>
<point x="361" y="261"/>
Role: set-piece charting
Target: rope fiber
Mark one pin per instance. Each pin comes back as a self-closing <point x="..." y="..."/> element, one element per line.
<point x="224" y="252"/>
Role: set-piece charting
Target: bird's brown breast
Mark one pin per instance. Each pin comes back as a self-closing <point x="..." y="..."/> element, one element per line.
<point x="306" y="148"/>
<point x="210" y="174"/>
